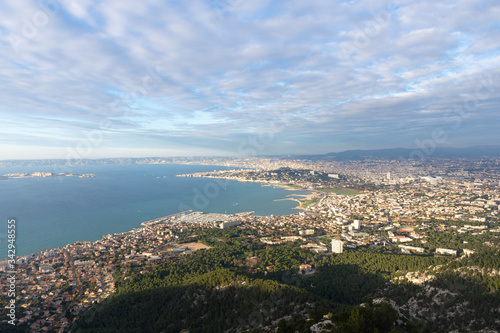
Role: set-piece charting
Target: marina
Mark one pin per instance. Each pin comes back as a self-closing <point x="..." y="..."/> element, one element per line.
<point x="197" y="217"/>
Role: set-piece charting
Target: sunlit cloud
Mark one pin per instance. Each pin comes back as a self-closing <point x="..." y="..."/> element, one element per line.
<point x="204" y="76"/>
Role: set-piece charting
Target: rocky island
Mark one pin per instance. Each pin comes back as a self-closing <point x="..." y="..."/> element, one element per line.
<point x="45" y="174"/>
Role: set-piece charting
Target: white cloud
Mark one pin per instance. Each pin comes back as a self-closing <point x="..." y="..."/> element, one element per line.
<point x="189" y="70"/>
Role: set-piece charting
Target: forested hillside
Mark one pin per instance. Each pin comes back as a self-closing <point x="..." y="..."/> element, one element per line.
<point x="213" y="291"/>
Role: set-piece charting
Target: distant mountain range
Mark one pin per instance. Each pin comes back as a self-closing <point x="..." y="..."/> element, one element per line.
<point x="413" y="153"/>
<point x="395" y="153"/>
<point x="491" y="151"/>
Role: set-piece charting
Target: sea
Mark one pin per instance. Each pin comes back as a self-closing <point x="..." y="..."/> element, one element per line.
<point x="51" y="212"/>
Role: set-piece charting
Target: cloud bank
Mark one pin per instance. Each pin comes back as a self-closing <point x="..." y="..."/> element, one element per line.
<point x="228" y="77"/>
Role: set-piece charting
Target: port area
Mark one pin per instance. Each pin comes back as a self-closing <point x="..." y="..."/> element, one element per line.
<point x="190" y="216"/>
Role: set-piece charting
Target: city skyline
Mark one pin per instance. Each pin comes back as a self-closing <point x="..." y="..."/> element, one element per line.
<point x="92" y="79"/>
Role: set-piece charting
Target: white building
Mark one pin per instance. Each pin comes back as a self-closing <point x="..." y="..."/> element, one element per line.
<point x="408" y="249"/>
<point x="225" y="225"/>
<point x="306" y="232"/>
<point x="447" y="251"/>
<point x="356" y="224"/>
<point x="49" y="253"/>
<point x="22" y="260"/>
<point x="468" y="252"/>
<point x="337" y="246"/>
<point x="401" y="239"/>
<point x="292" y="238"/>
<point x="432" y="180"/>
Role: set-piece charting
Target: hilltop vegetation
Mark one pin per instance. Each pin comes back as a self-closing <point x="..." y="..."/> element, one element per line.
<point x="212" y="291"/>
<point x="212" y="302"/>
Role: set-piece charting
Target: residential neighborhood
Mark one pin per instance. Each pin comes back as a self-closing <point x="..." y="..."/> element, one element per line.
<point x="446" y="216"/>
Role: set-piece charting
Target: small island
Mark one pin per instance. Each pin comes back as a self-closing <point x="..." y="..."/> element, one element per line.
<point x="45" y="174"/>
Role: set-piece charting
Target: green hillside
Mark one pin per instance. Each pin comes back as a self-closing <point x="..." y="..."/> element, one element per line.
<point x="214" y="291"/>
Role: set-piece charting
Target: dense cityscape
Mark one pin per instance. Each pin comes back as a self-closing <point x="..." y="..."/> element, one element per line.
<point x="446" y="208"/>
<point x="231" y="166"/>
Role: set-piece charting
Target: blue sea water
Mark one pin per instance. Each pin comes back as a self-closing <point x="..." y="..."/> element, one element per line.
<point x="54" y="211"/>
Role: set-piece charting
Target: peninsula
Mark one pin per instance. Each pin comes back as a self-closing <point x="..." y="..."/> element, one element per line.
<point x="416" y="245"/>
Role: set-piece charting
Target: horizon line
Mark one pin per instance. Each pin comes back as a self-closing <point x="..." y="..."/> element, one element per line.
<point x="243" y="156"/>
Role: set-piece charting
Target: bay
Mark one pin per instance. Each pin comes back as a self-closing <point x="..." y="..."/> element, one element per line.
<point x="51" y="212"/>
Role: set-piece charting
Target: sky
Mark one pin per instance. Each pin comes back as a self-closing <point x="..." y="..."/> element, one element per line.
<point x="102" y="78"/>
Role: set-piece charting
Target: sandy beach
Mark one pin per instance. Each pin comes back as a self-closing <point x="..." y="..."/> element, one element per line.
<point x="310" y="196"/>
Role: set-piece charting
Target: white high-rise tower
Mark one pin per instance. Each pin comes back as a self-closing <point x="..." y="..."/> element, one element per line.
<point x="356" y="224"/>
<point x="337" y="246"/>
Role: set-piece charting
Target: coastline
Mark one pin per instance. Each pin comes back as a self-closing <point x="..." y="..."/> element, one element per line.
<point x="48" y="226"/>
<point x="301" y="202"/>
<point x="301" y="206"/>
